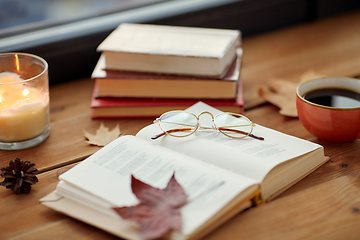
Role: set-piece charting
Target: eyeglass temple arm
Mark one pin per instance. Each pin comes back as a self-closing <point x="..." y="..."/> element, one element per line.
<point x="223" y="129"/>
<point x="242" y="132"/>
<point x="170" y="131"/>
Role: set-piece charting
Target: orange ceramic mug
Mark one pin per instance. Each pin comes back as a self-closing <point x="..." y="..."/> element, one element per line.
<point x="329" y="108"/>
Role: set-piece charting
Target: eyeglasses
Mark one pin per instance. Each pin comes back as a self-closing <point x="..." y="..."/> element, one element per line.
<point x="183" y="124"/>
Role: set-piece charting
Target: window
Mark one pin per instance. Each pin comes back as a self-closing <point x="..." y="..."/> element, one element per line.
<point x="28" y="15"/>
<point x="67" y="32"/>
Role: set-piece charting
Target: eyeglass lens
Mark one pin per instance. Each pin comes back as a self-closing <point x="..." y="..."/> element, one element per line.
<point x="178" y="123"/>
<point x="233" y="125"/>
<point x="181" y="124"/>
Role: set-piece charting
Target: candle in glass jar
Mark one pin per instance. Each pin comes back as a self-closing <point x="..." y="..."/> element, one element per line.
<point x="23" y="109"/>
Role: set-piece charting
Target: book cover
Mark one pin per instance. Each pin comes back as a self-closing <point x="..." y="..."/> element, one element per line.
<point x="170" y="49"/>
<point x="100" y="72"/>
<point x="114" y="83"/>
<point x="154" y="107"/>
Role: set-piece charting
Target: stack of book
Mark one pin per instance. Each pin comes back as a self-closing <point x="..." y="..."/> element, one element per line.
<point x="145" y="70"/>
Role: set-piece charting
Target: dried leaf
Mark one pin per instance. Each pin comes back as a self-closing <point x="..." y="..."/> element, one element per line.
<point x="309" y="75"/>
<point x="282" y="93"/>
<point x="158" y="210"/>
<point x="103" y="136"/>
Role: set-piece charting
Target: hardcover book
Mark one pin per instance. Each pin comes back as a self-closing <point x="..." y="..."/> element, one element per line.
<point x="154" y="107"/>
<point x="114" y="83"/>
<point x="234" y="174"/>
<point x="169" y="49"/>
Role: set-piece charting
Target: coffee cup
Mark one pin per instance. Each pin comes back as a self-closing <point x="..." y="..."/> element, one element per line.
<point x="329" y="108"/>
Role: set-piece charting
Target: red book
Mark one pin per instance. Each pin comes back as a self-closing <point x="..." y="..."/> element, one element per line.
<point x="154" y="107"/>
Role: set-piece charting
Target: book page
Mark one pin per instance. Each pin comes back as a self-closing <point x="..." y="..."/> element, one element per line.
<point x="105" y="178"/>
<point x="247" y="157"/>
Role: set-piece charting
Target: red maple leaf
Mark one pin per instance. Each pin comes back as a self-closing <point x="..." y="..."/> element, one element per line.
<point x="158" y="210"/>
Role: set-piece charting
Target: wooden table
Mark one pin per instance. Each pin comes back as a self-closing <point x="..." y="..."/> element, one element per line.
<point x="324" y="205"/>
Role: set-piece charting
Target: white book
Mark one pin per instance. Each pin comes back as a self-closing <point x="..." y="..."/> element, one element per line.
<point x="171" y="50"/>
<point x="238" y="173"/>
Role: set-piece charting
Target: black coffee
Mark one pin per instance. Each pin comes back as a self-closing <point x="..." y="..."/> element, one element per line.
<point x="334" y="97"/>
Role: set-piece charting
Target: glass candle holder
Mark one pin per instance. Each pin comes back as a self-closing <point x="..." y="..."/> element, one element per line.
<point x="24" y="101"/>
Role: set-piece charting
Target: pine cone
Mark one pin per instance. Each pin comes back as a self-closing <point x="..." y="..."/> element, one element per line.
<point x="19" y="176"/>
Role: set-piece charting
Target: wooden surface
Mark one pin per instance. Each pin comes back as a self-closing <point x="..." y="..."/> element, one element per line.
<point x="329" y="47"/>
<point x="324" y="205"/>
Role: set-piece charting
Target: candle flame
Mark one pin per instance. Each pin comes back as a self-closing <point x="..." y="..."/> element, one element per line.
<point x="25" y="92"/>
<point x="0" y="99"/>
<point x="17" y="63"/>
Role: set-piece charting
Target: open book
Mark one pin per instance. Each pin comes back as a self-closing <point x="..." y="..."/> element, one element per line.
<point x="232" y="173"/>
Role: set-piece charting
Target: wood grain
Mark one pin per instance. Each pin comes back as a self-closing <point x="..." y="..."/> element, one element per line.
<point x="329" y="47"/>
<point x="70" y="99"/>
<point x="324" y="205"/>
<point x="33" y="219"/>
<point x="327" y="211"/>
<point x="289" y="213"/>
<point x="21" y="213"/>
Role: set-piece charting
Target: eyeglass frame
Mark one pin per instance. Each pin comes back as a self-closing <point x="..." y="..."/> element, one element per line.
<point x="198" y="127"/>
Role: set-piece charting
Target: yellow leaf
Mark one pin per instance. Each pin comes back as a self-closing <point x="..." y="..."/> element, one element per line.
<point x="103" y="136"/>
